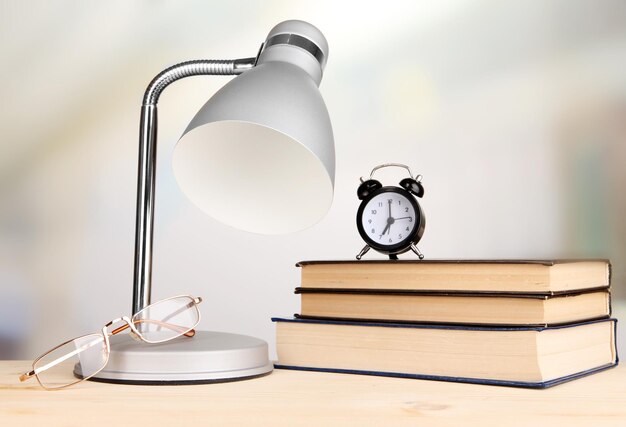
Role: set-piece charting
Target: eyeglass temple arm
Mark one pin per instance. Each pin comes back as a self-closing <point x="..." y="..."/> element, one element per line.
<point x="28" y="375"/>
<point x="177" y="328"/>
<point x="55" y="362"/>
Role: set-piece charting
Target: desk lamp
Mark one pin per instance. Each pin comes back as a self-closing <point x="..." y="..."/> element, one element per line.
<point x="258" y="156"/>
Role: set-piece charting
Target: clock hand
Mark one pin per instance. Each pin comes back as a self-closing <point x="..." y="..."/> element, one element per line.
<point x="390" y="220"/>
<point x="404" y="217"/>
<point x="385" y="230"/>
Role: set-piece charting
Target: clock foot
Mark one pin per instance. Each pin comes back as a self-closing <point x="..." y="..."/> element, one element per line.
<point x="393" y="257"/>
<point x="363" y="252"/>
<point x="417" y="251"/>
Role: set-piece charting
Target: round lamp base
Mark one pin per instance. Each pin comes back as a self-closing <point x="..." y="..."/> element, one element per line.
<point x="208" y="357"/>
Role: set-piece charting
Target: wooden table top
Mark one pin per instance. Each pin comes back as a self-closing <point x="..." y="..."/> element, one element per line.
<point x="319" y="399"/>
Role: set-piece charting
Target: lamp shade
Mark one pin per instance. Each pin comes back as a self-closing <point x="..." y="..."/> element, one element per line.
<point x="259" y="155"/>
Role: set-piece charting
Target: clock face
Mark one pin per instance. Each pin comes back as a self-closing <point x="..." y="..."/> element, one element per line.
<point x="389" y="219"/>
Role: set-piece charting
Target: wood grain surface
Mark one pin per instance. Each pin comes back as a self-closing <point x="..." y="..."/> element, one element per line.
<point x="288" y="398"/>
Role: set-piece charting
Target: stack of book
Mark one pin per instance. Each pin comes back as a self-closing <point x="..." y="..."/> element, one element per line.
<point x="517" y="323"/>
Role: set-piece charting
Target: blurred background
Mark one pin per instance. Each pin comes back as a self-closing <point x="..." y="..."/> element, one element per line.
<point x="513" y="111"/>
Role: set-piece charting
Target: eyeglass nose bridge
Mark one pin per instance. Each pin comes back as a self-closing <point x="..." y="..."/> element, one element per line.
<point x="127" y="324"/>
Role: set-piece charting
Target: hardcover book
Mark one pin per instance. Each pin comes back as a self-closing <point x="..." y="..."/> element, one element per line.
<point x="461" y="308"/>
<point x="542" y="277"/>
<point x="537" y="357"/>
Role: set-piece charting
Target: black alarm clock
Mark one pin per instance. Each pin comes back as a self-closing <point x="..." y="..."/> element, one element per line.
<point x="390" y="219"/>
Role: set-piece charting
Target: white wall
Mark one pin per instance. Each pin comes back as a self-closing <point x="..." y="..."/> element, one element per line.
<point x="474" y="95"/>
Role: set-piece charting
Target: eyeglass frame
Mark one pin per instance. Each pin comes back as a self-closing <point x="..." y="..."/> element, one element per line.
<point x="106" y="334"/>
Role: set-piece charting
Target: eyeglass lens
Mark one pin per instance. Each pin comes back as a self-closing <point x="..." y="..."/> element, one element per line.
<point x="72" y="361"/>
<point x="167" y="319"/>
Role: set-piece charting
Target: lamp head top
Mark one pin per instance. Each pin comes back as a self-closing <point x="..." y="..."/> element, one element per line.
<point x="298" y="43"/>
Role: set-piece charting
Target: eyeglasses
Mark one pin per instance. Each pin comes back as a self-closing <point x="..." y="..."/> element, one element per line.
<point x="83" y="357"/>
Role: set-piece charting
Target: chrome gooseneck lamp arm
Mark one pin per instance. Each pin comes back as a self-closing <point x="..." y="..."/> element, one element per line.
<point x="144" y="226"/>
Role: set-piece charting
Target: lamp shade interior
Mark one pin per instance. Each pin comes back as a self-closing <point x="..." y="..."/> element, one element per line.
<point x="259" y="155"/>
<point x="252" y="177"/>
